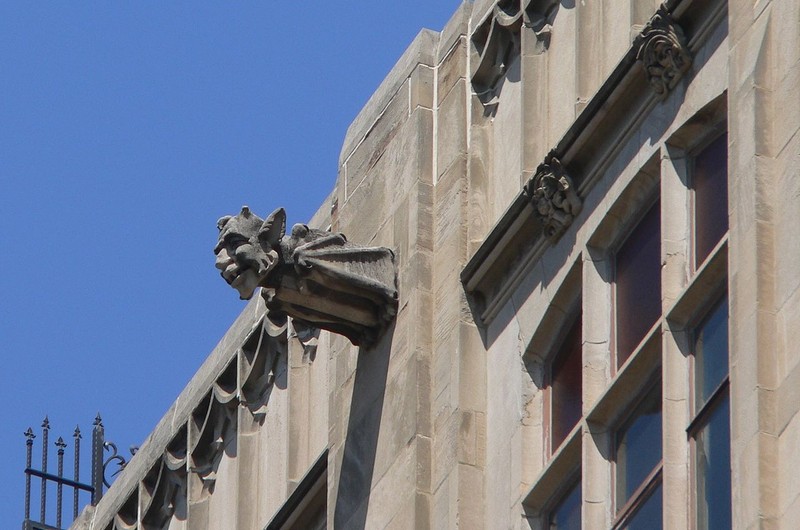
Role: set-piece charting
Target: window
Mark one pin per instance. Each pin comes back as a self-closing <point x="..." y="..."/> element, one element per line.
<point x="567" y="513"/>
<point x="710" y="430"/>
<point x="638" y="283"/>
<point x="638" y="466"/>
<point x="566" y="376"/>
<point x="710" y="186"/>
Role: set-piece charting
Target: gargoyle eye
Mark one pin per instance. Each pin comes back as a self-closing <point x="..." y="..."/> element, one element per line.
<point x="235" y="241"/>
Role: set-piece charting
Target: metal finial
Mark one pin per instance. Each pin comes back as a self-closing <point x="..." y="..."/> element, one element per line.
<point x="77" y="433"/>
<point x="46" y="423"/>
<point x="61" y="444"/>
<point x="98" y="421"/>
<point x="29" y="435"/>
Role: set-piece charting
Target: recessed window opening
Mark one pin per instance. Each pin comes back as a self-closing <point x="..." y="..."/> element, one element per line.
<point x="710" y="186"/>
<point x="638" y="283"/>
<point x="566" y="515"/>
<point x="566" y="387"/>
<point x="709" y="431"/>
<point x="638" y="465"/>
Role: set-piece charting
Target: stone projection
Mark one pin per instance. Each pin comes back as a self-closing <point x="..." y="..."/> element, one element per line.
<point x="316" y="277"/>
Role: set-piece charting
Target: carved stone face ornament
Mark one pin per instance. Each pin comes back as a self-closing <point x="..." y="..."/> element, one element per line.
<point x="247" y="250"/>
<point x="553" y="197"/>
<point x="663" y="52"/>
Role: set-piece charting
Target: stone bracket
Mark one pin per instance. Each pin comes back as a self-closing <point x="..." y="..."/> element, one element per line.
<point x="661" y="49"/>
<point x="553" y="197"/>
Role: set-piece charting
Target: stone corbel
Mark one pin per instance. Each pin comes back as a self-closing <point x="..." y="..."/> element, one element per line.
<point x="553" y="197"/>
<point x="663" y="53"/>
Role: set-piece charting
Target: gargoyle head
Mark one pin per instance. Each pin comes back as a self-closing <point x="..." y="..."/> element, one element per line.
<point x="248" y="248"/>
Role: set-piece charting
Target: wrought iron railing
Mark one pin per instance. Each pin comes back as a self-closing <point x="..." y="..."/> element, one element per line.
<point x="94" y="488"/>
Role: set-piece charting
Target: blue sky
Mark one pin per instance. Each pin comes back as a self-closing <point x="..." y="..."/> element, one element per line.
<point x="126" y="130"/>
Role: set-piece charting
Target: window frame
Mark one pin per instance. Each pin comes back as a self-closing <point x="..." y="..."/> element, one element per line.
<point x="621" y="515"/>
<point x="643" y="210"/>
<point x="700" y="417"/>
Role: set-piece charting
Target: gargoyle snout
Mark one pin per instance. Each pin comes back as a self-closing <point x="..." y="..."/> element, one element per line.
<point x="224" y="260"/>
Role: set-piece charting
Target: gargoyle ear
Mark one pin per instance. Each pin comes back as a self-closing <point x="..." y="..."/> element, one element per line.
<point x="274" y="228"/>
<point x="223" y="221"/>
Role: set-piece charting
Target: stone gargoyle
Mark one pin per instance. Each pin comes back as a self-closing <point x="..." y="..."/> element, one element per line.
<point x="314" y="276"/>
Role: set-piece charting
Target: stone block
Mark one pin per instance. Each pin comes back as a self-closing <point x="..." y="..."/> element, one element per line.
<point x="421" y="51"/>
<point x="472" y="376"/>
<point x="371" y="148"/>
<point x="451" y="138"/>
<point x="456" y="28"/>
<point x="421" y="87"/>
<point x="590" y="48"/>
<point x="451" y="70"/>
<point x="561" y="77"/>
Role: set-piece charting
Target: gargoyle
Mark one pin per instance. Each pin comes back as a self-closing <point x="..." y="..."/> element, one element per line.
<point x="314" y="276"/>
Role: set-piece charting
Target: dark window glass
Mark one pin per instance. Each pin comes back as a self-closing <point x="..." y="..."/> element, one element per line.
<point x="566" y="407"/>
<point x="710" y="183"/>
<point x="712" y="434"/>
<point x="711" y="353"/>
<point x="649" y="516"/>
<point x="713" y="464"/>
<point x="567" y="514"/>
<point x="638" y="279"/>
<point x="639" y="446"/>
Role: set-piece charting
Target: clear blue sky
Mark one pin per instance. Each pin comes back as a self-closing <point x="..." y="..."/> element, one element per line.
<point x="126" y="130"/>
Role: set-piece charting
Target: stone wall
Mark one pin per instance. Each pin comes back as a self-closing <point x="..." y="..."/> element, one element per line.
<point x="445" y="422"/>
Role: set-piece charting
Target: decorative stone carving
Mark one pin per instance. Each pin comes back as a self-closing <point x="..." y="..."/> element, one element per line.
<point x="262" y="365"/>
<point x="163" y="491"/>
<point x="212" y="428"/>
<point x="314" y="276"/>
<point x="497" y="40"/>
<point x="663" y="52"/>
<point x="553" y="196"/>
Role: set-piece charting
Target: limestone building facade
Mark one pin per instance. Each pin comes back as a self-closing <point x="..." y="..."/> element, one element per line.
<point x="593" y="207"/>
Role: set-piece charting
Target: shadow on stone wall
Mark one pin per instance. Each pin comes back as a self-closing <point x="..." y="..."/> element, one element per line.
<point x="363" y="428"/>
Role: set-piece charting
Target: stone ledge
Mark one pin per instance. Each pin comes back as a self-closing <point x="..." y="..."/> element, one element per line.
<point x="421" y="51"/>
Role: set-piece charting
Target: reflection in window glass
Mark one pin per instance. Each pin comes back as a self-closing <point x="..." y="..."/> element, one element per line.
<point x="639" y="446"/>
<point x="649" y="516"/>
<point x="567" y="515"/>
<point x="566" y="407"/>
<point x="638" y="283"/>
<point x="711" y="354"/>
<point x="712" y="432"/>
<point x="710" y="183"/>
<point x="713" y="464"/>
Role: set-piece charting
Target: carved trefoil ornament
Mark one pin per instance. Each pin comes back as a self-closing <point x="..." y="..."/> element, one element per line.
<point x="663" y="53"/>
<point x="314" y="276"/>
<point x="553" y="197"/>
